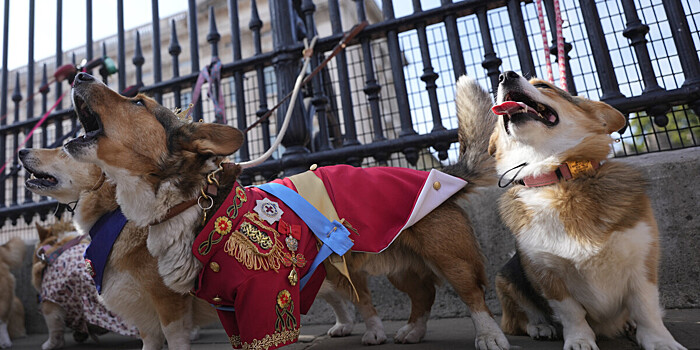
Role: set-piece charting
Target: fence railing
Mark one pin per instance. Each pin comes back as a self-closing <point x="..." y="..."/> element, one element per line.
<point x="386" y="99"/>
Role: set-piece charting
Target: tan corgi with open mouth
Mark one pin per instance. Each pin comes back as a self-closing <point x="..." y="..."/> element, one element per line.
<point x="587" y="241"/>
<point x="254" y="254"/>
<point x="130" y="284"/>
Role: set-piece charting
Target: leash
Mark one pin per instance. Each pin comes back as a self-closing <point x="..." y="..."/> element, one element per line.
<point x="31" y="132"/>
<point x="68" y="72"/>
<point x="212" y="75"/>
<point x="211" y="188"/>
<point x="64" y="72"/>
<point x="290" y="109"/>
<point x="356" y="29"/>
<point x="50" y="258"/>
<point x="560" y="43"/>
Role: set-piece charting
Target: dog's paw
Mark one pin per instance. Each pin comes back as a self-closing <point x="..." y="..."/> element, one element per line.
<point x="410" y="333"/>
<point x="542" y="331"/>
<point x="491" y="341"/>
<point x="340" y="330"/>
<point x="194" y="334"/>
<point x="667" y="344"/>
<point x="657" y="339"/>
<point x="630" y="329"/>
<point x="5" y="341"/>
<point x="52" y="344"/>
<point x="580" y="344"/>
<point x="374" y="337"/>
<point x="80" y="337"/>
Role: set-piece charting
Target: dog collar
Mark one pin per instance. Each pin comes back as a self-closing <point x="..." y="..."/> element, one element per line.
<point x="51" y="257"/>
<point x="208" y="191"/>
<point x="567" y="171"/>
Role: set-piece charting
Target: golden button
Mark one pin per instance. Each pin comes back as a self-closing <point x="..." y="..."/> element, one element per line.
<point x="214" y="266"/>
<point x="313" y="167"/>
<point x="216" y="299"/>
<point x="437" y="185"/>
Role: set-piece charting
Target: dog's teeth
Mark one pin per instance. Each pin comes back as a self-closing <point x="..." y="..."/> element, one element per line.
<point x="32" y="177"/>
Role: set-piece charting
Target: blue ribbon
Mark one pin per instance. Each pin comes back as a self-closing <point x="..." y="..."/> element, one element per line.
<point x="333" y="234"/>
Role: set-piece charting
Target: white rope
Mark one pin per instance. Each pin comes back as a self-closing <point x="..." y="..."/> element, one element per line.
<point x="290" y="110"/>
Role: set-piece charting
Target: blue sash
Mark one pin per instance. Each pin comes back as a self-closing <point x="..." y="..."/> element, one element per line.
<point x="332" y="233"/>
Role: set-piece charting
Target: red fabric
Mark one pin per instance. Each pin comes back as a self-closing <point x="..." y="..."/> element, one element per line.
<point x="253" y="293"/>
<point x="360" y="196"/>
<point x="377" y="202"/>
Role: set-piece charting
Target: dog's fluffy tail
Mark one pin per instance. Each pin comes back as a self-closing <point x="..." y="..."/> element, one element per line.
<point x="12" y="252"/>
<point x="476" y="123"/>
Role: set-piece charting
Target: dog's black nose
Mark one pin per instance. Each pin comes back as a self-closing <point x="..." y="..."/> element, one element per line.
<point x="83" y="77"/>
<point x="506" y="76"/>
<point x="23" y="152"/>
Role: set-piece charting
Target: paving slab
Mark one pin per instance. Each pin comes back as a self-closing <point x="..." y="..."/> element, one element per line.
<point x="446" y="333"/>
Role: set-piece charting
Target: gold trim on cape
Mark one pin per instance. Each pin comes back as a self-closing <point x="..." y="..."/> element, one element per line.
<point x="247" y="253"/>
<point x="267" y="342"/>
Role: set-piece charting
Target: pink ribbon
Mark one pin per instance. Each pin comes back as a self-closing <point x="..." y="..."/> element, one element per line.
<point x="561" y="54"/>
<point x="36" y="126"/>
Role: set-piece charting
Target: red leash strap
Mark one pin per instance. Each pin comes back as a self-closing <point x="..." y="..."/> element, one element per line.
<point x="560" y="46"/>
<point x="545" y="41"/>
<point x="36" y="126"/>
<point x="561" y="54"/>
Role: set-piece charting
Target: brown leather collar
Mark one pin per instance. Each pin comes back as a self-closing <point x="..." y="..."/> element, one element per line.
<point x="208" y="192"/>
<point x="99" y="183"/>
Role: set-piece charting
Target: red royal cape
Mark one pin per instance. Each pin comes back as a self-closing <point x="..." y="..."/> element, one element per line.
<point x="252" y="266"/>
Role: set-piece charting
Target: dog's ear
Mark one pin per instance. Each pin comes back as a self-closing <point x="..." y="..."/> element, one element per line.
<point x="492" y="143"/>
<point x="612" y="119"/>
<point x="42" y="231"/>
<point x="208" y="139"/>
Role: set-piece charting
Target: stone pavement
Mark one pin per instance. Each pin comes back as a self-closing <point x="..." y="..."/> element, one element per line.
<point x="446" y="333"/>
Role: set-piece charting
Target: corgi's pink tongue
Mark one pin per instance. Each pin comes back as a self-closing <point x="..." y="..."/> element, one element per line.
<point x="508" y="107"/>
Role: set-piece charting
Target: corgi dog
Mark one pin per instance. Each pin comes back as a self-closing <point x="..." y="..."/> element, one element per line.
<point x="587" y="243"/>
<point x="161" y="162"/>
<point x="131" y="285"/>
<point x="11" y="308"/>
<point x="67" y="291"/>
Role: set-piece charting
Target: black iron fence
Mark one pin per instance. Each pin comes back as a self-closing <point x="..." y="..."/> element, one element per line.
<point x="386" y="99"/>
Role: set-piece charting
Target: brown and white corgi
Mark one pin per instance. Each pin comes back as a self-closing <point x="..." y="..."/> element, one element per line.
<point x="586" y="238"/>
<point x="11" y="308"/>
<point x="158" y="161"/>
<point x="132" y="287"/>
<point x="66" y="289"/>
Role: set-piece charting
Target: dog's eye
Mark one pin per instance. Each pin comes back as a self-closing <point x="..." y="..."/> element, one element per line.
<point x="542" y="85"/>
<point x="138" y="103"/>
